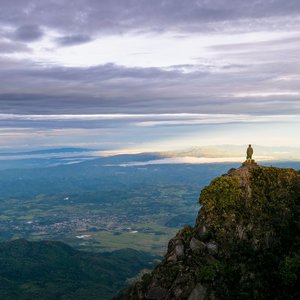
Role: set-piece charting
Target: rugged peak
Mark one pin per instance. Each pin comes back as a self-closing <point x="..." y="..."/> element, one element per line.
<point x="244" y="245"/>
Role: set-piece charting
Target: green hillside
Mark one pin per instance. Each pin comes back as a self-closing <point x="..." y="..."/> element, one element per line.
<point x="54" y="270"/>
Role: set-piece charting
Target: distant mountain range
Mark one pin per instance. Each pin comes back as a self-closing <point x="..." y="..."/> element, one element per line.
<point x="197" y="155"/>
<point x="46" y="151"/>
<point x="223" y="151"/>
<point x="44" y="158"/>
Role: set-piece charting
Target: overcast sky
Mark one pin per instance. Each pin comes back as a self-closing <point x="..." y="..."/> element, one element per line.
<point x="149" y="75"/>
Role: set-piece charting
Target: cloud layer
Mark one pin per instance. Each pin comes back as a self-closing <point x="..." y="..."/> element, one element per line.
<point x="149" y="56"/>
<point x="121" y="16"/>
<point x="230" y="61"/>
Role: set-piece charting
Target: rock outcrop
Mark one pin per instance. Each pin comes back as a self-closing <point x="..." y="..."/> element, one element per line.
<point x="244" y="245"/>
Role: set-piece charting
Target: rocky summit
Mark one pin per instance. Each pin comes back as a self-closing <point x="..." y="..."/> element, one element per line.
<point x="244" y="245"/>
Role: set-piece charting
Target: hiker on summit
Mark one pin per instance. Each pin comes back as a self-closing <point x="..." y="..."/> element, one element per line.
<point x="249" y="154"/>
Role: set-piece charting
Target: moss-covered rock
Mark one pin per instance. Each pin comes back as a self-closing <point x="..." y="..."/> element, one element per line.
<point x="245" y="244"/>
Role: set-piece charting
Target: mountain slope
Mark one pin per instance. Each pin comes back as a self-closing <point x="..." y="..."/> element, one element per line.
<point x="244" y="245"/>
<point x="54" y="270"/>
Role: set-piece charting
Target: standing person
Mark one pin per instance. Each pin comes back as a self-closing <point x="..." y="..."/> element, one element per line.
<point x="249" y="154"/>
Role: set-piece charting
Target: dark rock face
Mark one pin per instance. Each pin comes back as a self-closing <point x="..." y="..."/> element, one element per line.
<point x="156" y="293"/>
<point x="245" y="244"/>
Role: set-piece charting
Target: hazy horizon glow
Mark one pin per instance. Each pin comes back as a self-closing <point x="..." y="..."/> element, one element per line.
<point x="149" y="75"/>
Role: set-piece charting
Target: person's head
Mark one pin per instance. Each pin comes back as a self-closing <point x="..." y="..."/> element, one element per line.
<point x="249" y="145"/>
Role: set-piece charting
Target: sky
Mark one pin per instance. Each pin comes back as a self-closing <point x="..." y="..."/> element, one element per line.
<point x="140" y="75"/>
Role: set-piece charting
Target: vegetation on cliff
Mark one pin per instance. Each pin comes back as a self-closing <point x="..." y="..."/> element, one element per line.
<point x="244" y="245"/>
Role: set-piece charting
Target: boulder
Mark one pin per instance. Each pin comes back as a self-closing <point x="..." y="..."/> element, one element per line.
<point x="179" y="248"/>
<point x="212" y="248"/>
<point x="197" y="245"/>
<point x="198" y="293"/>
<point x="156" y="293"/>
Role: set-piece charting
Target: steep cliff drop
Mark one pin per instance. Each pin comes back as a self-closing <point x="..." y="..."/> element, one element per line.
<point x="244" y="245"/>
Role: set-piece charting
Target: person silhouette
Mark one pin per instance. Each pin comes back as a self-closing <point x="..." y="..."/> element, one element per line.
<point x="249" y="154"/>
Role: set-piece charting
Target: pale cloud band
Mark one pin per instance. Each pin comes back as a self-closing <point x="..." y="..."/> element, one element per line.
<point x="155" y="119"/>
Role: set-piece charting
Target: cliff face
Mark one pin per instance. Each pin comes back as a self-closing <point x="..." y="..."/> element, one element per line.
<point x="244" y="245"/>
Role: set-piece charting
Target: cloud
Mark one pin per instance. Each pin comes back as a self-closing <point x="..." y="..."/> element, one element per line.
<point x="266" y="94"/>
<point x="150" y="132"/>
<point x="152" y="119"/>
<point x="13" y="47"/>
<point x="111" y="88"/>
<point x="234" y="73"/>
<point x="264" y="45"/>
<point x="124" y="70"/>
<point x="28" y="33"/>
<point x="72" y="40"/>
<point x="102" y="73"/>
<point x="121" y="16"/>
<point x="191" y="160"/>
